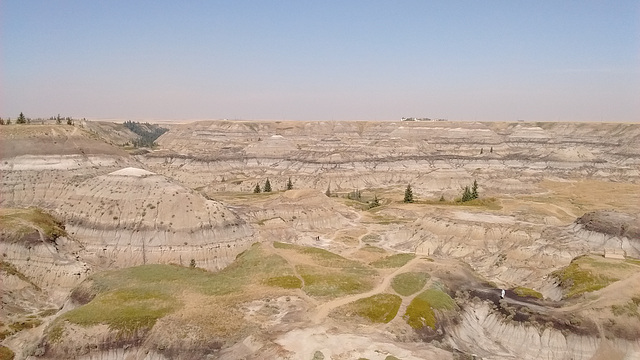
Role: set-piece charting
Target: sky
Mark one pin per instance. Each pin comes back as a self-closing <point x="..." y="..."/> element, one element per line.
<point x="321" y="60"/>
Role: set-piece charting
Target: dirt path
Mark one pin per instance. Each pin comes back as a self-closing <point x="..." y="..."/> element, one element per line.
<point x="323" y="310"/>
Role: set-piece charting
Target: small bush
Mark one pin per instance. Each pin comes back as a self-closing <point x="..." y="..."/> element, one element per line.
<point x="526" y="292"/>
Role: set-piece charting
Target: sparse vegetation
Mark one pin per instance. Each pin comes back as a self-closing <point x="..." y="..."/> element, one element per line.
<point x="393" y="261"/>
<point x="6" y="353"/>
<point x="583" y="275"/>
<point x="17" y="223"/>
<point x="321" y="282"/>
<point x="409" y="283"/>
<point x="523" y="291"/>
<point x="379" y="308"/>
<point x="420" y="311"/>
<point x="285" y="282"/>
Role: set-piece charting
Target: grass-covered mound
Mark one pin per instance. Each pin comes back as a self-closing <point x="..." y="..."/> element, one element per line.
<point x="409" y="283"/>
<point x="590" y="273"/>
<point x="20" y="225"/>
<point x="331" y="275"/>
<point x="420" y="312"/>
<point x="379" y="308"/>
<point x="130" y="302"/>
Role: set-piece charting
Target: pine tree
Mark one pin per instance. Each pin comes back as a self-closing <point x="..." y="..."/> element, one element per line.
<point x="408" y="194"/>
<point x="289" y="184"/>
<point x="192" y="263"/>
<point x="442" y="198"/>
<point x="257" y="190"/>
<point x="481" y="151"/>
<point x="375" y="202"/>
<point x="474" y="190"/>
<point x="466" y="194"/>
<point x="1" y="121"/>
<point x="21" y="119"/>
<point x="491" y="150"/>
<point x="58" y="119"/>
<point x="328" y="192"/>
<point x="267" y="186"/>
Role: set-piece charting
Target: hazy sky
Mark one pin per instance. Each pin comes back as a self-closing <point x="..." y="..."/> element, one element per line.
<point x="321" y="60"/>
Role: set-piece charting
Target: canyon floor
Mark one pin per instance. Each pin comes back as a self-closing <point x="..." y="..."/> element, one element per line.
<point x="116" y="252"/>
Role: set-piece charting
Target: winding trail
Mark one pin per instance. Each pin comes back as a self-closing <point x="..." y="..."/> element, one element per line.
<point x="323" y="310"/>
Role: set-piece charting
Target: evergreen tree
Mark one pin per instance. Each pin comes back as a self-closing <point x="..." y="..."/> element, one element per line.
<point x="267" y="186"/>
<point x="21" y="119"/>
<point x="491" y="150"/>
<point x="328" y="192"/>
<point x="8" y="121"/>
<point x="466" y="195"/>
<point x="375" y="202"/>
<point x="474" y="190"/>
<point x="289" y="184"/>
<point x="192" y="263"/>
<point x="442" y="198"/>
<point x="69" y="121"/>
<point x="257" y="190"/>
<point x="481" y="151"/>
<point x="408" y="194"/>
<point x="1" y="121"/>
<point x="58" y="119"/>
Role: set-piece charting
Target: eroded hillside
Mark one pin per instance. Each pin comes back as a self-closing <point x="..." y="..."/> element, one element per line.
<point x="153" y="254"/>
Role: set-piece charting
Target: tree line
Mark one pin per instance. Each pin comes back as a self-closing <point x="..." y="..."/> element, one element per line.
<point x="148" y="133"/>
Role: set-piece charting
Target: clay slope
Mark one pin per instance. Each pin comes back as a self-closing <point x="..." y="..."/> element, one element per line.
<point x="132" y="216"/>
<point x="230" y="155"/>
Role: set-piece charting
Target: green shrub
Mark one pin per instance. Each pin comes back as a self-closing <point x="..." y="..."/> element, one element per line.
<point x="523" y="291"/>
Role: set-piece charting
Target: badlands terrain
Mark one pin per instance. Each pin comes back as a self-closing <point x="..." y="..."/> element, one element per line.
<point x="115" y="252"/>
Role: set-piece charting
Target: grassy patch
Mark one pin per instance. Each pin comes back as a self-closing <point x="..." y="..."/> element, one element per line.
<point x="627" y="310"/>
<point x="586" y="274"/>
<point x="322" y="257"/>
<point x="285" y="282"/>
<point x="125" y="310"/>
<point x="489" y="203"/>
<point x="6" y="353"/>
<point x="523" y="291"/>
<point x="133" y="299"/>
<point x="393" y="261"/>
<point x="373" y="249"/>
<point x="17" y="223"/>
<point x="322" y="282"/>
<point x="379" y="308"/>
<point x="420" y="311"/>
<point x="633" y="261"/>
<point x="28" y="323"/>
<point x="409" y="283"/>
<point x="371" y="238"/>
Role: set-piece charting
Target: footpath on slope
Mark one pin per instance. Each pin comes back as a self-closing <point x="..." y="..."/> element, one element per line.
<point x="323" y="310"/>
